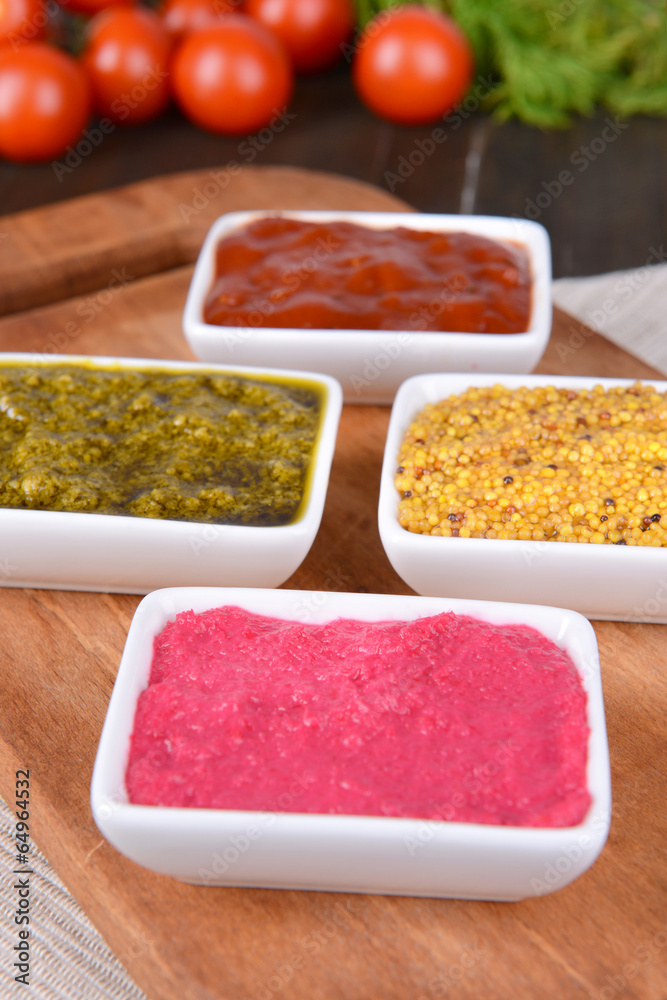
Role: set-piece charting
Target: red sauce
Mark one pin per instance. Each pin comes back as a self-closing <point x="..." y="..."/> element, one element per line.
<point x="280" y="272"/>
<point x="441" y="718"/>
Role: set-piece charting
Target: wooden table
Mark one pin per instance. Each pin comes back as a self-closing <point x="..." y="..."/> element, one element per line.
<point x="603" y="936"/>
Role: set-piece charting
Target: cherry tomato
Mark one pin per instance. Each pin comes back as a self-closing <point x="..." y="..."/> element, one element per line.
<point x="45" y="102"/>
<point x="91" y="7"/>
<point x="232" y="77"/>
<point x="312" y="31"/>
<point x="127" y="54"/>
<point x="22" y="21"/>
<point x="181" y="17"/>
<point x="412" y="65"/>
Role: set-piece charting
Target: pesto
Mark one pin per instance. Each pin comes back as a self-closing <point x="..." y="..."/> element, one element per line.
<point x="184" y="446"/>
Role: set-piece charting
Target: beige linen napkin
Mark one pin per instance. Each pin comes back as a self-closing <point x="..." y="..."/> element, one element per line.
<point x="627" y="307"/>
<point x="69" y="959"/>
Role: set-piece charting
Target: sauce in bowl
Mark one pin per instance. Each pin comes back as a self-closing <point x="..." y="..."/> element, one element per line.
<point x="185" y="446"/>
<point x="288" y="273"/>
<point x="444" y="717"/>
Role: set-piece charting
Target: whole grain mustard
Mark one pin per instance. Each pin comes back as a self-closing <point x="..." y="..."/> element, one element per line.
<point x="541" y="463"/>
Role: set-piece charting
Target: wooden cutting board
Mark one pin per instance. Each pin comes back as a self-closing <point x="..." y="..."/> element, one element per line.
<point x="602" y="937"/>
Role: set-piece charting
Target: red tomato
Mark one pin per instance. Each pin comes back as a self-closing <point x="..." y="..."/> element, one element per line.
<point x="91" y="7"/>
<point x="232" y="77"/>
<point x="22" y="21"/>
<point x="312" y="31"/>
<point x="180" y="17"/>
<point x="412" y="65"/>
<point x="45" y="102"/>
<point x="127" y="56"/>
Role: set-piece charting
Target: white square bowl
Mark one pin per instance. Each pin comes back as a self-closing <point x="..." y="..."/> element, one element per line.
<point x="619" y="582"/>
<point x="371" y="364"/>
<point x="337" y="852"/>
<point x="110" y="552"/>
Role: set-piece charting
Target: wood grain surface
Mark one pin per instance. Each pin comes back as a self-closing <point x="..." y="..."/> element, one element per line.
<point x="97" y="241"/>
<point x="602" y="937"/>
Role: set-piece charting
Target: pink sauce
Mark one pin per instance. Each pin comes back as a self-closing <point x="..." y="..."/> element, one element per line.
<point x="440" y="718"/>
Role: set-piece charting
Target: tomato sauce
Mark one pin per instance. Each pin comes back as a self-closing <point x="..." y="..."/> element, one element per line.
<point x="444" y="718"/>
<point x="278" y="272"/>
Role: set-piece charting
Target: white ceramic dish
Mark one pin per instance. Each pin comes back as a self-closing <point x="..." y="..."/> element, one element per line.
<point x="114" y="553"/>
<point x="371" y="364"/>
<point x="346" y="853"/>
<point x="624" y="583"/>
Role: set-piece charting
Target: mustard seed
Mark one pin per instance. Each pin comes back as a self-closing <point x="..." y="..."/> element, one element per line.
<point x="523" y="470"/>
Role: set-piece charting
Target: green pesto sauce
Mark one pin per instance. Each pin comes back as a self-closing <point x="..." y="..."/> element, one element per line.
<point x="193" y="446"/>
